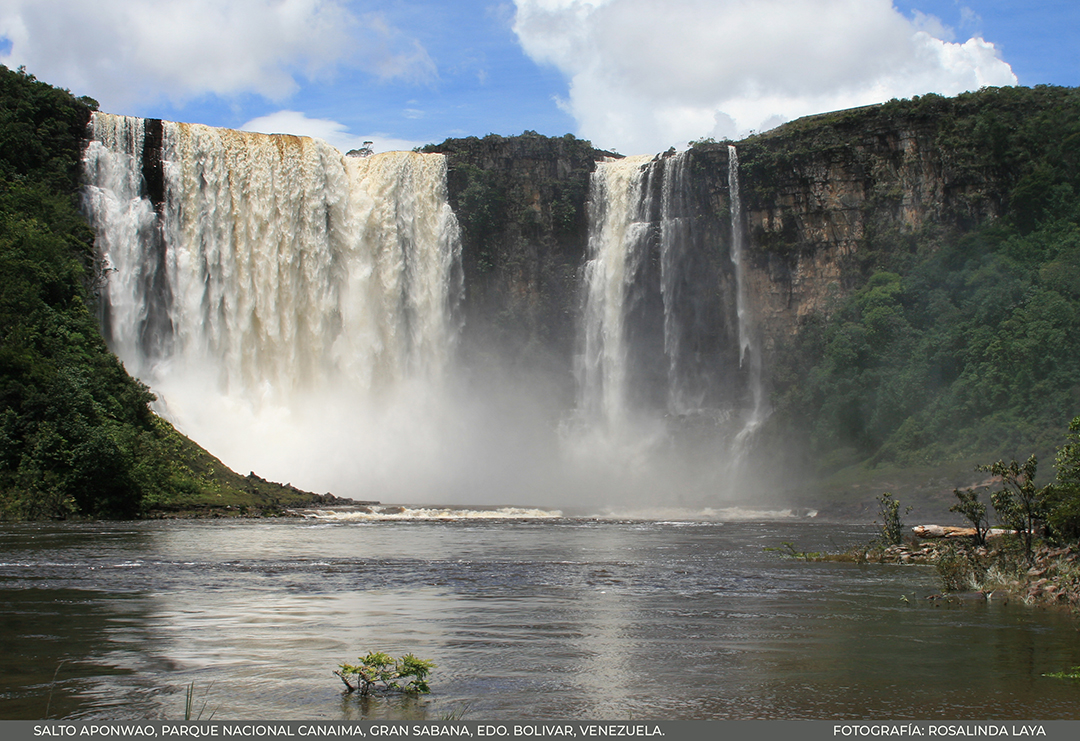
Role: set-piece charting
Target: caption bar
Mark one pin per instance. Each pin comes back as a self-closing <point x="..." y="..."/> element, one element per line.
<point x="678" y="730"/>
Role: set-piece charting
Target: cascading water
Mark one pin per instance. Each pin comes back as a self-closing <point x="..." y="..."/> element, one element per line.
<point x="618" y="232"/>
<point x="686" y="391"/>
<point x="286" y="303"/>
<point x="671" y="367"/>
<point x="643" y="313"/>
<point x="295" y="311"/>
<point x="749" y="349"/>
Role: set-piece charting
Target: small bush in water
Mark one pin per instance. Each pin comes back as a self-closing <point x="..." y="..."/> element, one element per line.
<point x="380" y="672"/>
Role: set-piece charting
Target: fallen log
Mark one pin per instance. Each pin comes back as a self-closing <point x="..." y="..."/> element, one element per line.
<point x="938" y="531"/>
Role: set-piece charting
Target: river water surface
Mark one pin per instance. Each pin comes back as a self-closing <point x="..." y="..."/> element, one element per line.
<point x="546" y="618"/>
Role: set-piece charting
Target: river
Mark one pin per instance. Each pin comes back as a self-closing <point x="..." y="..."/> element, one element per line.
<point x="526" y="618"/>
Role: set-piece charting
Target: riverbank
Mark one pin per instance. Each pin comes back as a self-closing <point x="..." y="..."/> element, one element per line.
<point x="1051" y="578"/>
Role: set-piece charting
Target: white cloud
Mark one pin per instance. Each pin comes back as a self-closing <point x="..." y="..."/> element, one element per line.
<point x="392" y="55"/>
<point x="644" y="78"/>
<point x="127" y="51"/>
<point x="332" y="132"/>
<point x="932" y="25"/>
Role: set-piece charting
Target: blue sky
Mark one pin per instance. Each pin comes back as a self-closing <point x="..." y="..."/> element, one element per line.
<point x="623" y="73"/>
<point x="480" y="82"/>
<point x="1039" y="39"/>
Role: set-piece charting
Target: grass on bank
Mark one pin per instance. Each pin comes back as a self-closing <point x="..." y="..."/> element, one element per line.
<point x="203" y="485"/>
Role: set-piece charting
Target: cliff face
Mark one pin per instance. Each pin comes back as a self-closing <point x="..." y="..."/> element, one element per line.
<point x="521" y="204"/>
<point x="825" y="192"/>
<point x="816" y="195"/>
<point x="892" y="254"/>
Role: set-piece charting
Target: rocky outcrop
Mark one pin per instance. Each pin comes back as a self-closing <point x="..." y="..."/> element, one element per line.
<point x="521" y="205"/>
<point x="825" y="191"/>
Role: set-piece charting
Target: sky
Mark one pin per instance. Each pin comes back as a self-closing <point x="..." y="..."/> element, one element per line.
<point x="633" y="76"/>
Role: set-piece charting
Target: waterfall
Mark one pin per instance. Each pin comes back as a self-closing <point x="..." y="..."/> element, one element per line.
<point x="267" y="287"/>
<point x="617" y="242"/>
<point x="671" y="365"/>
<point x="684" y="396"/>
<point x="641" y="310"/>
<point x="749" y="348"/>
<point x="296" y="311"/>
<point x="128" y="230"/>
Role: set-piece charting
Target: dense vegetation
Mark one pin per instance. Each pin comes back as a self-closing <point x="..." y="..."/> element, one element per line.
<point x="960" y="340"/>
<point x="1051" y="510"/>
<point x="77" y="437"/>
<point x="1038" y="561"/>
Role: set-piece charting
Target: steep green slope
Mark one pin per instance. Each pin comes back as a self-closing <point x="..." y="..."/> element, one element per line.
<point x="77" y="437"/>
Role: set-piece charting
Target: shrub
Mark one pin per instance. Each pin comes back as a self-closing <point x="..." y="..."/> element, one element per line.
<point x="380" y="672"/>
<point x="958" y="569"/>
<point x="1063" y="499"/>
<point x="973" y="511"/>
<point x="1019" y="504"/>
<point x="892" y="526"/>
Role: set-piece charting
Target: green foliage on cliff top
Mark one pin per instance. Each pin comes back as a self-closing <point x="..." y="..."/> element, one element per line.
<point x="957" y="342"/>
<point x="1001" y="148"/>
<point x="77" y="437"/>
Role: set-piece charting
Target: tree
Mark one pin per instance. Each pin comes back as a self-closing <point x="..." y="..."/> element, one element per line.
<point x="1019" y="504"/>
<point x="892" y="527"/>
<point x="363" y="151"/>
<point x="1063" y="498"/>
<point x="973" y="511"/>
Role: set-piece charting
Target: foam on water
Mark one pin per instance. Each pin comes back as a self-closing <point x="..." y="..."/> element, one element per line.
<point x="390" y="512"/>
<point x="707" y="514"/>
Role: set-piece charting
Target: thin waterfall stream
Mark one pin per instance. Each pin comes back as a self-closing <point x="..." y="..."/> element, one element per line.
<point x="749" y="346"/>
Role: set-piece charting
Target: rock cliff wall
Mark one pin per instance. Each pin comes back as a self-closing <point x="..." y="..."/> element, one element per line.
<point x="825" y="193"/>
<point x="826" y="201"/>
<point x="521" y="204"/>
<point x="822" y="196"/>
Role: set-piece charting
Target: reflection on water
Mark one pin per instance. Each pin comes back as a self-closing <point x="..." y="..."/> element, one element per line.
<point x="527" y="619"/>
